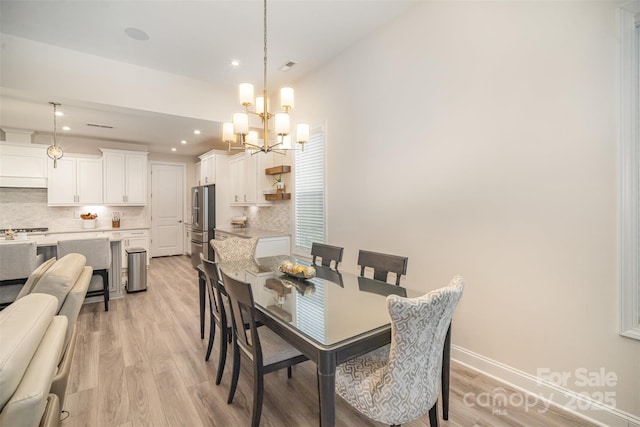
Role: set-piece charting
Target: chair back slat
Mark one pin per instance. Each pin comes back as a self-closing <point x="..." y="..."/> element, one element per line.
<point x="243" y="315"/>
<point x="327" y="253"/>
<point x="214" y="290"/>
<point x="382" y="265"/>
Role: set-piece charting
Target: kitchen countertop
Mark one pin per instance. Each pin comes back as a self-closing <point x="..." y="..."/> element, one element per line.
<point x="252" y="232"/>
<point x="86" y="230"/>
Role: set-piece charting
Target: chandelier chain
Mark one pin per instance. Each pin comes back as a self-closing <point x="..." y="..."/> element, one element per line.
<point x="264" y="87"/>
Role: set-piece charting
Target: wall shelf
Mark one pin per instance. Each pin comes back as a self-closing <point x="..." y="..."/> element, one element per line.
<point x="277" y="170"/>
<point x="277" y="196"/>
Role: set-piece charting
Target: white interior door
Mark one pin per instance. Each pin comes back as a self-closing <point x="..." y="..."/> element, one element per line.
<point x="167" y="198"/>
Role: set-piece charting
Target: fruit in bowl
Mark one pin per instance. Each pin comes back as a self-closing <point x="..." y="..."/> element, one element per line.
<point x="296" y="270"/>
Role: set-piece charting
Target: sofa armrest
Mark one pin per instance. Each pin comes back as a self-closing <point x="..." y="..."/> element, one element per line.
<point x="28" y="403"/>
<point x="61" y="378"/>
<point x="51" y="416"/>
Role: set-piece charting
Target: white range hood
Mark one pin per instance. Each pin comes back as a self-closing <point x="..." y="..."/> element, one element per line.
<point x="22" y="164"/>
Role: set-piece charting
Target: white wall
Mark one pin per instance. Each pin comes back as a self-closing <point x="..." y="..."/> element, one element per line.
<point x="479" y="138"/>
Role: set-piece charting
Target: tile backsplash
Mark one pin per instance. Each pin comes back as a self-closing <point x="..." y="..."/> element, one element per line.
<point x="275" y="218"/>
<point x="27" y="207"/>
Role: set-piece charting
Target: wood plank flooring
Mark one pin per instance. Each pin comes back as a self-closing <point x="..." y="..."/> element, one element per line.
<point x="142" y="364"/>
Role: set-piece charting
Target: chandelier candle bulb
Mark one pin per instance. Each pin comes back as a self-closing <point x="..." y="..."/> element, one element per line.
<point x="227" y="132"/>
<point x="282" y="123"/>
<point x="252" y="138"/>
<point x="240" y="123"/>
<point x="286" y="98"/>
<point x="260" y="105"/>
<point x="246" y="94"/>
<point x="302" y="132"/>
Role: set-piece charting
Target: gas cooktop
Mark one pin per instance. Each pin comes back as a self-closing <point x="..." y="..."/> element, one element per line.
<point x="25" y="230"/>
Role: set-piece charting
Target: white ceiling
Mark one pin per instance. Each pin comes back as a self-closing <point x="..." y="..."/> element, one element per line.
<point x="191" y="38"/>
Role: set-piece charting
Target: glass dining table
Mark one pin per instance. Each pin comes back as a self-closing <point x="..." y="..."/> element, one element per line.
<point x="330" y="318"/>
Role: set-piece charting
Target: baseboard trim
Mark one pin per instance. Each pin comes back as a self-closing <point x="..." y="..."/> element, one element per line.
<point x="568" y="400"/>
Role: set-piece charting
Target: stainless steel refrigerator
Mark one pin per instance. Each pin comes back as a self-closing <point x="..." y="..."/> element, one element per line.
<point x="203" y="221"/>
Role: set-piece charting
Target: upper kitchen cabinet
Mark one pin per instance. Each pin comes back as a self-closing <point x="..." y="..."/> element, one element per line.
<point x="76" y="181"/>
<point x="207" y="168"/>
<point x="125" y="177"/>
<point x="23" y="165"/>
<point x="246" y="182"/>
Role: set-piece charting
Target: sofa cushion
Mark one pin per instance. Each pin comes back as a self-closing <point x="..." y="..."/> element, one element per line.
<point x="60" y="277"/>
<point x="35" y="277"/>
<point x="28" y="403"/>
<point x="23" y="324"/>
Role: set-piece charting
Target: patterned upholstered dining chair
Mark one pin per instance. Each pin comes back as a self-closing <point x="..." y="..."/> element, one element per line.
<point x="234" y="248"/>
<point x="400" y="382"/>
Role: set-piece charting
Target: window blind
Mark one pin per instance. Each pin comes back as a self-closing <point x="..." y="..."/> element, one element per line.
<point x="310" y="193"/>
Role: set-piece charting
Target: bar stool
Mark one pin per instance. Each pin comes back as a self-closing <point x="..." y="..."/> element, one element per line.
<point x="98" y="254"/>
<point x="17" y="261"/>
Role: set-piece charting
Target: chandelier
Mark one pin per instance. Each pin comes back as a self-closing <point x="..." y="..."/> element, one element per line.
<point x="55" y="151"/>
<point x="238" y="132"/>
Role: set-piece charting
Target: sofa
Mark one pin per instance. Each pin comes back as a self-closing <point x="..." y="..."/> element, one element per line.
<point x="33" y="339"/>
<point x="66" y="280"/>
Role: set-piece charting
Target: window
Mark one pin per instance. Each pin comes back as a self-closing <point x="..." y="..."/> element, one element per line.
<point x="309" y="214"/>
<point x="629" y="162"/>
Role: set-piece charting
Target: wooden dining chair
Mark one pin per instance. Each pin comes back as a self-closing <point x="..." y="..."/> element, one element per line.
<point x="327" y="253"/>
<point x="218" y="314"/>
<point x="399" y="382"/>
<point x="266" y="350"/>
<point x="382" y="265"/>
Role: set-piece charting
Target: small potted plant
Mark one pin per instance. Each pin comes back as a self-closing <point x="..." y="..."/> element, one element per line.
<point x="278" y="183"/>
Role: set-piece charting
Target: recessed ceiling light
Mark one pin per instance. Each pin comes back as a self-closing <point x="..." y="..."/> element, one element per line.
<point x="183" y="142"/>
<point x="173" y="149"/>
<point x="59" y="113"/>
<point x="136" y="34"/>
<point x="66" y="128"/>
<point x="235" y="62"/>
<point x="197" y="132"/>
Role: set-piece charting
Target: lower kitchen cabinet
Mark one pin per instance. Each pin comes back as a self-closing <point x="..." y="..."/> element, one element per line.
<point x="270" y="246"/>
<point x="134" y="239"/>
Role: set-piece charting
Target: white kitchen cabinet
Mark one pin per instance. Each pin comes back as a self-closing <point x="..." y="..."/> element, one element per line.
<point x="134" y="239"/>
<point x="207" y="168"/>
<point x="271" y="246"/>
<point x="125" y="177"/>
<point x="76" y="181"/>
<point x="247" y="180"/>
<point x="22" y="165"/>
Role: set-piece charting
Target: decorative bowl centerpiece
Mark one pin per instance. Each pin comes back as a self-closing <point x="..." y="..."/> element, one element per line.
<point x="300" y="272"/>
<point x="88" y="220"/>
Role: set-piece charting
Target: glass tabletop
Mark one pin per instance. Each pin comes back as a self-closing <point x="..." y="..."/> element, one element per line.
<point x="329" y="308"/>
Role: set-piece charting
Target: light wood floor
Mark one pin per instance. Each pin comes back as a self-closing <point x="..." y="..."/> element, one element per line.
<point x="142" y="364"/>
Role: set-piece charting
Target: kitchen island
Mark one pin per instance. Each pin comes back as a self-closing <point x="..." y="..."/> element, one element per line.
<point x="120" y="239"/>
